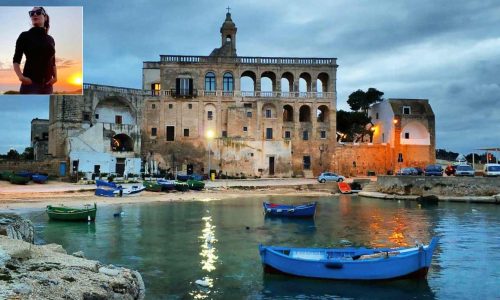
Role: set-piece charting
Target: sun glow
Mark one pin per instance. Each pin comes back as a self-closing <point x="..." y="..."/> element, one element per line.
<point x="76" y="79"/>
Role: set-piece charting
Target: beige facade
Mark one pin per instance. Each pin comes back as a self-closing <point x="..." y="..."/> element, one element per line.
<point x="282" y="122"/>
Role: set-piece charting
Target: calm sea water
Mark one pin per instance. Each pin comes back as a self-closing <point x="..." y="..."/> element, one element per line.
<point x="175" y="244"/>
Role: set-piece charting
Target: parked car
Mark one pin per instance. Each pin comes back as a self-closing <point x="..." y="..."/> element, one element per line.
<point x="419" y="170"/>
<point x="464" y="170"/>
<point x="491" y="170"/>
<point x="433" y="170"/>
<point x="329" y="176"/>
<point x="407" y="171"/>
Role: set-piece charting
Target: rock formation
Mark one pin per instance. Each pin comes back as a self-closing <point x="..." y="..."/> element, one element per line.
<point x="16" y="227"/>
<point x="30" y="271"/>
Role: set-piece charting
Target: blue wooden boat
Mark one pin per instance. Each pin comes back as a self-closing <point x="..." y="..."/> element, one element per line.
<point x="39" y="178"/>
<point x="103" y="183"/>
<point x="26" y="174"/>
<point x="183" y="177"/>
<point x="108" y="189"/>
<point x="350" y="263"/>
<point x="282" y="210"/>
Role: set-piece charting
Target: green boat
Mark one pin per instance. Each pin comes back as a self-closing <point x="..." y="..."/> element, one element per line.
<point x="181" y="186"/>
<point x="152" y="186"/>
<point x="15" y="179"/>
<point x="196" y="185"/>
<point x="5" y="175"/>
<point x="63" y="213"/>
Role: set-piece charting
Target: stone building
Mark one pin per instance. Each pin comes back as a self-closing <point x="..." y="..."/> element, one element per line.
<point x="269" y="115"/>
<point x="408" y="126"/>
<point x="97" y="132"/>
<point x="40" y="138"/>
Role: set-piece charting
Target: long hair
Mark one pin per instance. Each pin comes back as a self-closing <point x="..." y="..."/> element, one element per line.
<point x="46" y="24"/>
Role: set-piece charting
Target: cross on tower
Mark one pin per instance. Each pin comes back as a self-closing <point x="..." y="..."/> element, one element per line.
<point x="228" y="8"/>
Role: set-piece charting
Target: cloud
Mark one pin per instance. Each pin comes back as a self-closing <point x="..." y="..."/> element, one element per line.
<point x="63" y="63"/>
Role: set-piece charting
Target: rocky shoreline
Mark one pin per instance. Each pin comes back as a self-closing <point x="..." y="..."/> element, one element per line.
<point x="29" y="271"/>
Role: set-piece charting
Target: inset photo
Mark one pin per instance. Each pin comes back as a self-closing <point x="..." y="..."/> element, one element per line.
<point x="42" y="50"/>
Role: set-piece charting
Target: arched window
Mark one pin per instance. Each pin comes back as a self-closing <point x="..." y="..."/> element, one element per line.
<point x="122" y="142"/>
<point x="227" y="82"/>
<point x="304" y="114"/>
<point x="287" y="113"/>
<point x="210" y="82"/>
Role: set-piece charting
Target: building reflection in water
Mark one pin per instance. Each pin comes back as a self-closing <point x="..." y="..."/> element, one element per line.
<point x="208" y="261"/>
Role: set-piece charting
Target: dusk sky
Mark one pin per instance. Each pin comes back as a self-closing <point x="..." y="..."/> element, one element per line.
<point x="444" y="51"/>
<point x="65" y="28"/>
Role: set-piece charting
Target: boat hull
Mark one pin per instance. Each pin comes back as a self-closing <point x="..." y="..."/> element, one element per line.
<point x="337" y="264"/>
<point x="39" y="178"/>
<point x="15" y="179"/>
<point x="71" y="214"/>
<point x="152" y="186"/>
<point x="196" y="185"/>
<point x="291" y="211"/>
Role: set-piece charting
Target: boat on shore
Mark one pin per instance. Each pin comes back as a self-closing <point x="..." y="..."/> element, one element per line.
<point x="350" y="263"/>
<point x="63" y="213"/>
<point x="152" y="186"/>
<point x="166" y="185"/>
<point x="135" y="189"/>
<point x="196" y="185"/>
<point x="282" y="210"/>
<point x="108" y="189"/>
<point x="39" y="178"/>
<point x="16" y="179"/>
<point x="181" y="186"/>
<point x="349" y="188"/>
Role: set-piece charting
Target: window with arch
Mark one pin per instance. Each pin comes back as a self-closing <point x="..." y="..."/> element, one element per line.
<point x="210" y="82"/>
<point x="228" y="39"/>
<point x="228" y="82"/>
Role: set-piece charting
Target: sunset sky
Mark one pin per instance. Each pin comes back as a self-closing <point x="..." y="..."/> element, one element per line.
<point x="66" y="29"/>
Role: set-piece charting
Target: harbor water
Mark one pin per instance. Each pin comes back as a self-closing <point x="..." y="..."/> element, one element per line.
<point x="209" y="249"/>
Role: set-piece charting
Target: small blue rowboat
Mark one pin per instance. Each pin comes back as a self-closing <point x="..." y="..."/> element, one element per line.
<point x="108" y="189"/>
<point x="350" y="263"/>
<point x="102" y="183"/>
<point x="281" y="210"/>
<point x="39" y="178"/>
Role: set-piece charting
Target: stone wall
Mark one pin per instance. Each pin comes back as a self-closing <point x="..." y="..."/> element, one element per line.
<point x="445" y="186"/>
<point x="50" y="167"/>
<point x="358" y="159"/>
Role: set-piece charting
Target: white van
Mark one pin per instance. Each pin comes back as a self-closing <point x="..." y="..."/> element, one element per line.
<point x="492" y="170"/>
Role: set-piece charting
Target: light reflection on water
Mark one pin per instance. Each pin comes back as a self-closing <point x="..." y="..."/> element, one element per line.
<point x="208" y="260"/>
<point x="175" y="244"/>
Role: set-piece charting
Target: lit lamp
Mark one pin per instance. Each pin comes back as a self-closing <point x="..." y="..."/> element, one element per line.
<point x="210" y="135"/>
<point x="395" y="121"/>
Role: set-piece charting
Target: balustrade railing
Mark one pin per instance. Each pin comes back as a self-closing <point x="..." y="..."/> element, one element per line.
<point x="247" y="94"/>
<point x="114" y="89"/>
<point x="249" y="60"/>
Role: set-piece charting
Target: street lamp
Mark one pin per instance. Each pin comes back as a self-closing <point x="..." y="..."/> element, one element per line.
<point x="210" y="135"/>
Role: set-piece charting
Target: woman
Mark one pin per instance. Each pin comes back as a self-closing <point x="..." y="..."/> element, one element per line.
<point x="39" y="72"/>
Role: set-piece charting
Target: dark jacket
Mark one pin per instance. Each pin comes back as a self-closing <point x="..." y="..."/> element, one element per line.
<point x="39" y="48"/>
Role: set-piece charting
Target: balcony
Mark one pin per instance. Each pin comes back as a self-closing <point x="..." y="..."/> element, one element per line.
<point x="247" y="60"/>
<point x="114" y="89"/>
<point x="246" y="94"/>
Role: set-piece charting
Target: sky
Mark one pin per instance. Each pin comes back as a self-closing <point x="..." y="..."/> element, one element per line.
<point x="66" y="27"/>
<point x="444" y="51"/>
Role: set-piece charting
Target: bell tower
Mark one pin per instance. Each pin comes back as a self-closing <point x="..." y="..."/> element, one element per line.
<point x="228" y="35"/>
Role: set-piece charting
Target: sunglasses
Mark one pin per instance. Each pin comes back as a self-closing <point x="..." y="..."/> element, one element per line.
<point x="36" y="12"/>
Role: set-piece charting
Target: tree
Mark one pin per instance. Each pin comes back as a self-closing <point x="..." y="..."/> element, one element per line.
<point x="356" y="99"/>
<point x="352" y="123"/>
<point x="362" y="100"/>
<point x="28" y="154"/>
<point x="13" y="154"/>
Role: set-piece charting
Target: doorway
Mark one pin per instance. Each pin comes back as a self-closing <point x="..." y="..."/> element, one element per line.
<point x="120" y="166"/>
<point x="271" y="165"/>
